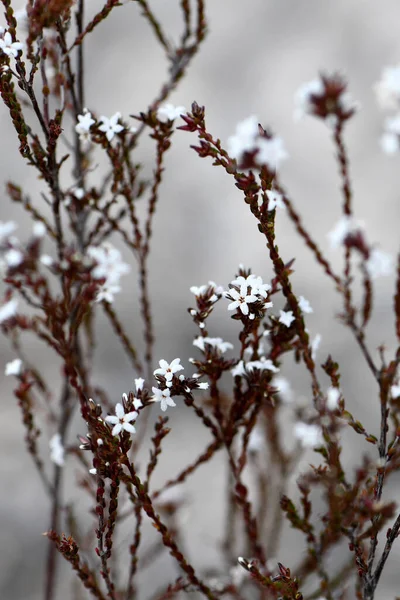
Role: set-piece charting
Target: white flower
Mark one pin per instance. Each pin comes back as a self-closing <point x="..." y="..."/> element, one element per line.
<point x="93" y="471"/>
<point x="305" y="305"/>
<point x="122" y="421"/>
<point x="8" y="46"/>
<point x="379" y="264"/>
<point x="388" y="88"/>
<point x="6" y="229"/>
<point x="13" y="257"/>
<point x="110" y="126"/>
<point x="309" y="435"/>
<point x="345" y="226"/>
<point x="201" y="290"/>
<point x="332" y="398"/>
<point x="204" y="385"/>
<point x="286" y="317"/>
<point x="244" y="138"/>
<point x="218" y="343"/>
<point x="139" y="384"/>
<point x="14" y="367"/>
<point x="56" y="450"/>
<point x="271" y="152"/>
<point x="315" y="345"/>
<point x="255" y="283"/>
<point x="303" y="97"/>
<point x="169" y="112"/>
<point x="85" y="122"/>
<point x="275" y="200"/>
<point x="39" y="229"/>
<point x="395" y="391"/>
<point x="8" y="310"/>
<point x="168" y="370"/>
<point x="263" y="364"/>
<point x="46" y="260"/>
<point x="389" y="142"/>
<point x="109" y="267"/>
<point x="164" y="397"/>
<point x="241" y="299"/>
<point x="284" y="389"/>
<point x="238" y="370"/>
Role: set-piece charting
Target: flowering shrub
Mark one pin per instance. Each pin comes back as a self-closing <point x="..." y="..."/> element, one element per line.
<point x="238" y="393"/>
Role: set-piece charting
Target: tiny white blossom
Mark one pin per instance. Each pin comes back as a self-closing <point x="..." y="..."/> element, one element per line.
<point x="169" y="112"/>
<point x="110" y="267"/>
<point x="388" y="88"/>
<point x="164" y="397"/>
<point x="85" y="122"/>
<point x="304" y="95"/>
<point x="168" y="370"/>
<point x="239" y="369"/>
<point x="315" y="345"/>
<point x="275" y="200"/>
<point x="110" y="126"/>
<point x="263" y="364"/>
<point x="46" y="260"/>
<point x="286" y="317"/>
<point x="56" y="450"/>
<point x="13" y="367"/>
<point x="39" y="229"/>
<point x="345" y="226"/>
<point x="395" y="391"/>
<point x="332" y="398"/>
<point x="244" y="138"/>
<point x="218" y="343"/>
<point x="6" y="229"/>
<point x="241" y="299"/>
<point x="309" y="435"/>
<point x="93" y="471"/>
<point x="79" y="193"/>
<point x="8" y="310"/>
<point x="8" y="46"/>
<point x="379" y="264"/>
<point x="13" y="257"/>
<point x="284" y="389"/>
<point x="122" y="421"/>
<point x="139" y="384"/>
<point x="204" y="385"/>
<point x="305" y="305"/>
<point x="271" y="152"/>
<point x="201" y="290"/>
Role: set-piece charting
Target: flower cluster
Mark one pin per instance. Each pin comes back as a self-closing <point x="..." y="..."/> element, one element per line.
<point x="249" y="295"/>
<point x="109" y="267"/>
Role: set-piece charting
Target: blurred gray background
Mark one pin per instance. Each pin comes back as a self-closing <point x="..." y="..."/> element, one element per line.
<point x="255" y="57"/>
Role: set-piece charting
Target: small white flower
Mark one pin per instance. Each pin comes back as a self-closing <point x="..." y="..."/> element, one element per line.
<point x="139" y="384"/>
<point x="284" y="389"/>
<point x="14" y="367"/>
<point x="244" y="138"/>
<point x="56" y="450"/>
<point x="164" y="397"/>
<point x="39" y="229"/>
<point x="13" y="257"/>
<point x="79" y="193"/>
<point x="379" y="264"/>
<point x="388" y="88"/>
<point x="93" y="471"/>
<point x="309" y="435"/>
<point x="9" y="47"/>
<point x="275" y="200"/>
<point x="239" y="369"/>
<point x="46" y="260"/>
<point x="286" y="317"/>
<point x="332" y="398"/>
<point x="109" y="267"/>
<point x="85" y="122"/>
<point x="204" y="385"/>
<point x="122" y="421"/>
<point x="218" y="343"/>
<point x="345" y="226"/>
<point x="263" y="364"/>
<point x="271" y="152"/>
<point x="303" y="97"/>
<point x="305" y="306"/>
<point x="168" y="370"/>
<point x="6" y="229"/>
<point x="395" y="391"/>
<point x="8" y="310"/>
<point x="241" y="299"/>
<point x="201" y="290"/>
<point x="169" y="112"/>
<point x="315" y="345"/>
<point x="110" y="126"/>
<point x="137" y="403"/>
